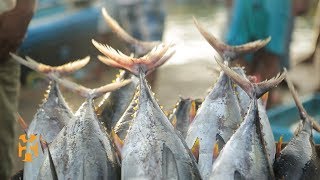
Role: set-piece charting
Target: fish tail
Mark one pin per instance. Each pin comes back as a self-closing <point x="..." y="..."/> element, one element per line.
<point x="46" y="69"/>
<point x="302" y="112"/>
<point x="230" y="52"/>
<point x="254" y="90"/>
<point x="155" y="58"/>
<point x="22" y="123"/>
<point x="127" y="38"/>
<point x="87" y="92"/>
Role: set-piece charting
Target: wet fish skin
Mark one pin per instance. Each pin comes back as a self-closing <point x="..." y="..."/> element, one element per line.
<point x="245" y="155"/>
<point x="244" y="103"/>
<point x="83" y="149"/>
<point x="299" y="159"/>
<point x="115" y="103"/>
<point x="125" y="121"/>
<point x="219" y="115"/>
<point x="151" y="141"/>
<point x="182" y="115"/>
<point x="53" y="114"/>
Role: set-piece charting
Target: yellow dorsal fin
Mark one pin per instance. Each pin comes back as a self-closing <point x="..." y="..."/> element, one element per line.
<point x="264" y="99"/>
<point x="193" y="110"/>
<point x="215" y="151"/>
<point x="279" y="144"/>
<point x="195" y="149"/>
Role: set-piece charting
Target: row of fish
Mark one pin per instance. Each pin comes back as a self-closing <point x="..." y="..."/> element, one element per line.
<point x="129" y="136"/>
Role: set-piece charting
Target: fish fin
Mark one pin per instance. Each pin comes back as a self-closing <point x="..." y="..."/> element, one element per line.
<point x="193" y="111"/>
<point x="140" y="47"/>
<point x="302" y="112"/>
<point x="195" y="149"/>
<point x="86" y="92"/>
<point x="118" y="142"/>
<point x="215" y="151"/>
<point x="155" y="58"/>
<point x="22" y="123"/>
<point x="227" y="51"/>
<point x="279" y="146"/>
<point x="174" y="121"/>
<point x="254" y="90"/>
<point x="57" y="70"/>
<point x="264" y="99"/>
<point x="218" y="146"/>
<point x="169" y="164"/>
<point x="52" y="167"/>
<point x="45" y="145"/>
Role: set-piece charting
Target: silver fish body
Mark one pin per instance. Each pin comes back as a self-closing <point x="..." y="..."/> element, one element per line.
<point x="182" y="116"/>
<point x="124" y="123"/>
<point x="219" y="115"/>
<point x="82" y="150"/>
<point x="115" y="103"/>
<point x="152" y="149"/>
<point x="244" y="103"/>
<point x="243" y="156"/>
<point x="299" y="159"/>
<point x="50" y="118"/>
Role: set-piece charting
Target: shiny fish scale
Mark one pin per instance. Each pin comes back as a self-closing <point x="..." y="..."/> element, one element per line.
<point x="218" y="114"/>
<point x="150" y="132"/>
<point x="82" y="150"/>
<point x="50" y="118"/>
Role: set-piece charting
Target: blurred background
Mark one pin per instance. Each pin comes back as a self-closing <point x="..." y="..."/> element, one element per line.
<point x="61" y="31"/>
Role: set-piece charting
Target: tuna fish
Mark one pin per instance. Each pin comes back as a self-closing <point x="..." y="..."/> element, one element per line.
<point x="117" y="102"/>
<point x="245" y="156"/>
<point x="83" y="149"/>
<point x="152" y="149"/>
<point x="139" y="48"/>
<point x="53" y="114"/>
<point x="220" y="114"/>
<point x="183" y="114"/>
<point x="299" y="159"/>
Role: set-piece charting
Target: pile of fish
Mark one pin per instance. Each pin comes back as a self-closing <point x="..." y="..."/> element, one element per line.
<point x="128" y="136"/>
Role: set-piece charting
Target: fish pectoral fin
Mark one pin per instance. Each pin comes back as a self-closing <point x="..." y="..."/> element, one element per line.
<point x="169" y="164"/>
<point x="195" y="149"/>
<point x="220" y="143"/>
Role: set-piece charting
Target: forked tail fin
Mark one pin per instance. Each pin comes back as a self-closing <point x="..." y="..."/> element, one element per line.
<point x="86" y="92"/>
<point x="155" y="58"/>
<point x="228" y="52"/>
<point x="303" y="113"/>
<point x="140" y="47"/>
<point x="254" y="90"/>
<point x="57" y="70"/>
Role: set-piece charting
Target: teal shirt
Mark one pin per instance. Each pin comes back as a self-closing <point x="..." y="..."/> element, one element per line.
<point x="259" y="19"/>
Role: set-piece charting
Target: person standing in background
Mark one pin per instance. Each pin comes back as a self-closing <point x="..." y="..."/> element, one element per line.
<point x="15" y="16"/>
<point x="258" y="19"/>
